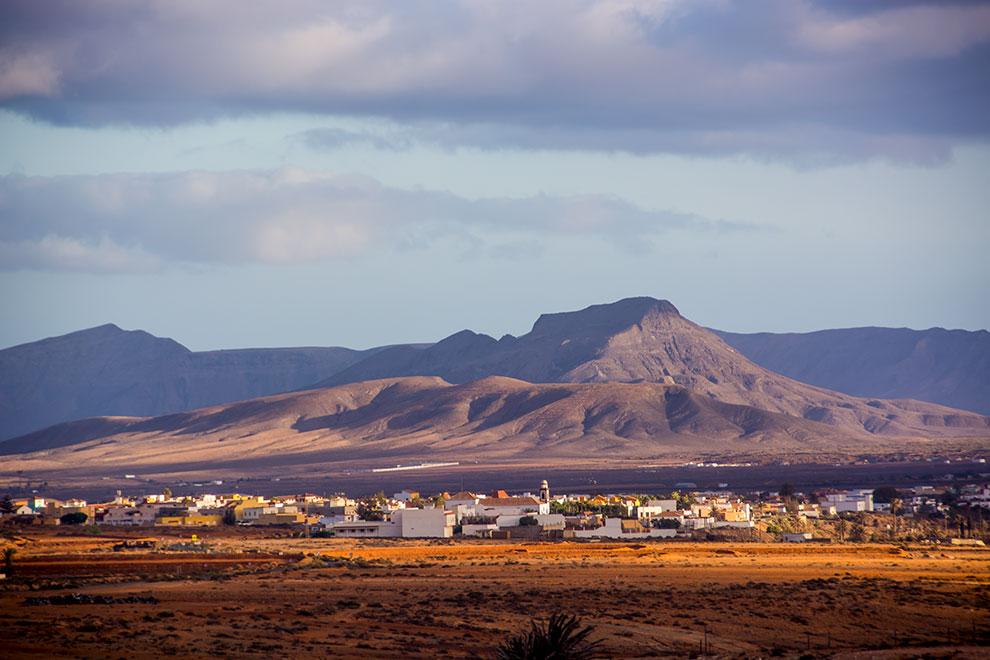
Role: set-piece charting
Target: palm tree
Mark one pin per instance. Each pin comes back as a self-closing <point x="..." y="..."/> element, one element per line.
<point x="560" y="638"/>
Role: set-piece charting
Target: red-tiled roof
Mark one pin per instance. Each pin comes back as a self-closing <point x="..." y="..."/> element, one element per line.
<point x="508" y="501"/>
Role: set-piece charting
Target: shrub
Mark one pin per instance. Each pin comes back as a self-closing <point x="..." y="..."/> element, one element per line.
<point x="74" y="518"/>
<point x="560" y="638"/>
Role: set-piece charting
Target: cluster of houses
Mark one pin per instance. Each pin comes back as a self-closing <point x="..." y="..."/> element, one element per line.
<point x="539" y="515"/>
<point x="494" y="515"/>
<point x="187" y="511"/>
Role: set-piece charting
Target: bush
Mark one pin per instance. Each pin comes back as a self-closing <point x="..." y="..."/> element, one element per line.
<point x="75" y="518"/>
<point x="527" y="521"/>
<point x="561" y="638"/>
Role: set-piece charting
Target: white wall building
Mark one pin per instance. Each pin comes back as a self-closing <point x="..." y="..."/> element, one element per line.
<point x="366" y="529"/>
<point x="545" y="520"/>
<point x="619" y="528"/>
<point x="405" y="523"/>
<point x="424" y="523"/>
<point x="493" y="507"/>
<point x="859" y="500"/>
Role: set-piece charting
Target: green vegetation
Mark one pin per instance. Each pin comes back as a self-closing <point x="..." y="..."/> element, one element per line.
<point x="74" y="518"/>
<point x="577" y="508"/>
<point x="886" y="494"/>
<point x="371" y="508"/>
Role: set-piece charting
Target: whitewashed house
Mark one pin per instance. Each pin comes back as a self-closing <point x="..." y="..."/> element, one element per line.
<point x="854" y="501"/>
<point x="654" y="508"/>
<point x="620" y="528"/>
<point x="493" y="507"/>
<point x="424" y="523"/>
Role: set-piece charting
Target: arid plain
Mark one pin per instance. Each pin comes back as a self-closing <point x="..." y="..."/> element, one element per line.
<point x="246" y="593"/>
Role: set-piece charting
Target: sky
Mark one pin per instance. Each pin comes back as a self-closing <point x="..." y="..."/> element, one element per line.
<point x="362" y="173"/>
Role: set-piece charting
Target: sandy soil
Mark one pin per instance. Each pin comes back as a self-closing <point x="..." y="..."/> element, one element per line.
<point x="246" y="594"/>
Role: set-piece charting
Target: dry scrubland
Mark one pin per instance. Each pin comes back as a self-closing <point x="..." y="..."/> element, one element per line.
<point x="254" y="595"/>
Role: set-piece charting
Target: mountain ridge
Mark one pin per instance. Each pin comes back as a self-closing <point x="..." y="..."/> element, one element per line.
<point x="949" y="367"/>
<point x="493" y="418"/>
<point x="107" y="370"/>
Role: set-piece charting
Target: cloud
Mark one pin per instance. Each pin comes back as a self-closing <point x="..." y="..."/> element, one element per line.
<point x="814" y="80"/>
<point x="139" y="222"/>
<point x="802" y="146"/>
<point x="93" y="255"/>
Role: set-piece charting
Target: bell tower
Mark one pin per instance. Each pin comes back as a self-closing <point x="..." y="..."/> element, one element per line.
<point x="544" y="491"/>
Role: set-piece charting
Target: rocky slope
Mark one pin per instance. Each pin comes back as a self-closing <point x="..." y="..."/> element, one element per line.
<point x="645" y="340"/>
<point x="631" y="378"/>
<point x="494" y="418"/>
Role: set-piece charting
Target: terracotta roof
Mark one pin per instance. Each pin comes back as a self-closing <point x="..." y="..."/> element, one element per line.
<point x="508" y="501"/>
<point x="463" y="495"/>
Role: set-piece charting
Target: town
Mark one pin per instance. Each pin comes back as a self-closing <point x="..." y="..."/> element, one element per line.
<point x="923" y="513"/>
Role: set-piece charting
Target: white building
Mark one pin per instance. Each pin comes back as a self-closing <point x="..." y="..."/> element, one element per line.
<point x="697" y="522"/>
<point x="333" y="519"/>
<point x="544" y="520"/>
<point x="619" y="528"/>
<point x="462" y="504"/>
<point x="658" y="506"/>
<point x="404" y="523"/>
<point x="478" y="529"/>
<point x="424" y="523"/>
<point x="366" y="529"/>
<point x="859" y="500"/>
<point x="493" y="507"/>
<point x="979" y="497"/>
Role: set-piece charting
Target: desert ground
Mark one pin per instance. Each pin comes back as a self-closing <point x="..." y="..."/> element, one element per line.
<point x="249" y="593"/>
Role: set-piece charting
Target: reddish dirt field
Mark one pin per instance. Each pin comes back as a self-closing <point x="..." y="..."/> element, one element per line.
<point x="248" y="595"/>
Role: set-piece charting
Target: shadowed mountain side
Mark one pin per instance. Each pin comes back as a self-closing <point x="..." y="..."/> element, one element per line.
<point x="492" y="418"/>
<point x="950" y="367"/>
<point x="109" y="371"/>
<point x="71" y="433"/>
<point x="646" y="340"/>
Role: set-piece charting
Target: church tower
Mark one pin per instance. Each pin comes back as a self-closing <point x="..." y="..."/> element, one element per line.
<point x="544" y="491"/>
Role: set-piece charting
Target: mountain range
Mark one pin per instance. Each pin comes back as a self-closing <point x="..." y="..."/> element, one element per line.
<point x="951" y="367"/>
<point x="109" y="371"/>
<point x="630" y="380"/>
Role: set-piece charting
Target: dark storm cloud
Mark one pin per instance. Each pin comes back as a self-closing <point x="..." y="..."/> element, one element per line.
<point x="776" y="78"/>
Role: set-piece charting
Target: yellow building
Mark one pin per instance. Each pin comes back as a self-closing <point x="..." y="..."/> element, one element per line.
<point x="734" y="515"/>
<point x="190" y="520"/>
<point x="280" y="518"/>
